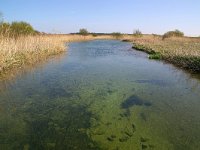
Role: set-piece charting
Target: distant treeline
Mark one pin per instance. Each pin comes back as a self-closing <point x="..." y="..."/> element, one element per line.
<point x="99" y="34"/>
<point x="136" y="33"/>
<point x="93" y="33"/>
<point x="16" y="29"/>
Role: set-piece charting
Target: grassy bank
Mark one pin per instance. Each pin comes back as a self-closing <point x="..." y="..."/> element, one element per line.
<point x="183" y="52"/>
<point x="26" y="50"/>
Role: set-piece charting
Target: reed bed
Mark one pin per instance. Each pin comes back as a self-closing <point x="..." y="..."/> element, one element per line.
<point x="25" y="50"/>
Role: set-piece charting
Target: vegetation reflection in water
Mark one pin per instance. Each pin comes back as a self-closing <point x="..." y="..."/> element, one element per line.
<point x="102" y="95"/>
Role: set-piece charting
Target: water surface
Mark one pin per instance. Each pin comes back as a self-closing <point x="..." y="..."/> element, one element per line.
<point x="101" y="95"/>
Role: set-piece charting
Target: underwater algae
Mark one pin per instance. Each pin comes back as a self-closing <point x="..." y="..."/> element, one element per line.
<point x="56" y="125"/>
<point x="134" y="100"/>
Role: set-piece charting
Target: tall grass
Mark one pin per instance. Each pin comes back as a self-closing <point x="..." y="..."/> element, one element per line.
<point x="29" y="49"/>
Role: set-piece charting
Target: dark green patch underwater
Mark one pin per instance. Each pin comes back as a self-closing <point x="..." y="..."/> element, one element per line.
<point x="65" y="130"/>
<point x="134" y="100"/>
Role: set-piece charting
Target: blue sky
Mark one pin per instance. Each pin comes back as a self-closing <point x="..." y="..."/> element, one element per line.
<point x="65" y="16"/>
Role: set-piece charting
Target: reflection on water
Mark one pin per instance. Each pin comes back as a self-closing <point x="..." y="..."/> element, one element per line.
<point x="101" y="95"/>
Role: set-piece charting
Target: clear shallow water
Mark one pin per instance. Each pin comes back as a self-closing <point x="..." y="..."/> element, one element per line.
<point x="101" y="95"/>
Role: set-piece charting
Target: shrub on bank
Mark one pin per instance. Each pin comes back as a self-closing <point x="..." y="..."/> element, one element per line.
<point x="175" y="33"/>
<point x="83" y="32"/>
<point x="16" y="29"/>
<point x="21" y="28"/>
<point x="117" y="35"/>
<point x="137" y="33"/>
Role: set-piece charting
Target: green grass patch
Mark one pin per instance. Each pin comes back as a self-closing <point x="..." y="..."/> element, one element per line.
<point x="152" y="53"/>
<point x="155" y="55"/>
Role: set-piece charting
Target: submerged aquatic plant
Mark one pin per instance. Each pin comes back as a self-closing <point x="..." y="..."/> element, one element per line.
<point x="131" y="101"/>
<point x="134" y="100"/>
<point x="46" y="124"/>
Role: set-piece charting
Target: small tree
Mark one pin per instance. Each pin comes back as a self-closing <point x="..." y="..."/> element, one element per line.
<point x="117" y="35"/>
<point x="137" y="33"/>
<point x="83" y="32"/>
<point x="175" y="33"/>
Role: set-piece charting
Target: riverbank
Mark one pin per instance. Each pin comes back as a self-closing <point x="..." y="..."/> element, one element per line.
<point x="182" y="52"/>
<point x="28" y="50"/>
